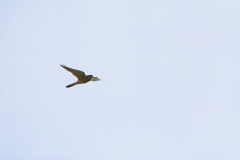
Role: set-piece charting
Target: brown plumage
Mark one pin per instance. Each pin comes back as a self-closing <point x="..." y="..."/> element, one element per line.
<point x="82" y="78"/>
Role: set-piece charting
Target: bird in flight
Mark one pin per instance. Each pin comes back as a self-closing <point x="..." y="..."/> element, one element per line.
<point x="82" y="78"/>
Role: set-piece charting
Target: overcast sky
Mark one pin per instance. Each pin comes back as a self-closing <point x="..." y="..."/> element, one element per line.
<point x="169" y="89"/>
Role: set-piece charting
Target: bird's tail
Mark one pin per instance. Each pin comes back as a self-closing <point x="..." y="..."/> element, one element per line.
<point x="70" y="85"/>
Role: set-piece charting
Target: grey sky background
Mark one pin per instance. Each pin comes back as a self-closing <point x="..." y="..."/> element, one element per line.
<point x="170" y="80"/>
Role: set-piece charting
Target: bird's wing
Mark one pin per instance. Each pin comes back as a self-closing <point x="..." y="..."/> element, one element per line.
<point x="75" y="72"/>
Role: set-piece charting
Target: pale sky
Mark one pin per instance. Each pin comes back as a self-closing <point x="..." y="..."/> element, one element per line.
<point x="169" y="89"/>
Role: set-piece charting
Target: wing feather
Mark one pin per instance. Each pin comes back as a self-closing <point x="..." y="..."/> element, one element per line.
<point x="76" y="73"/>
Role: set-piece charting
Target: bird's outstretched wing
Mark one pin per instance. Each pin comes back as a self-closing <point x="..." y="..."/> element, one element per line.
<point x="77" y="73"/>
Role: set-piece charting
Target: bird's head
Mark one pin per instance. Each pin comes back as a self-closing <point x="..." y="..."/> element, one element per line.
<point x="95" y="79"/>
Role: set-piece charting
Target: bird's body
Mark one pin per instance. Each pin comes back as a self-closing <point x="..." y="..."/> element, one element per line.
<point x="82" y="78"/>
